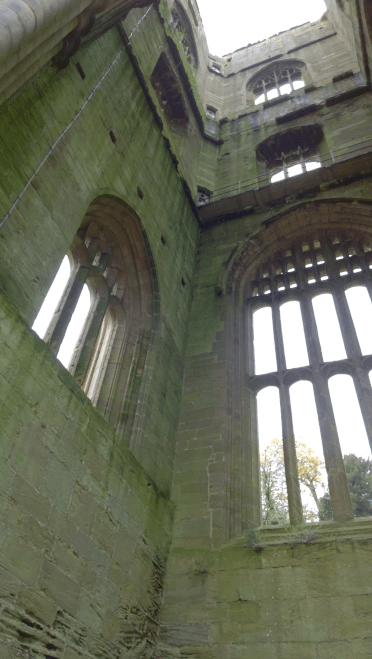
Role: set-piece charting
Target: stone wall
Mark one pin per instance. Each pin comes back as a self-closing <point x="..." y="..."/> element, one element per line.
<point x="84" y="531"/>
<point x="270" y="596"/>
<point x="324" y="52"/>
<point x="83" y="165"/>
<point x="85" y="526"/>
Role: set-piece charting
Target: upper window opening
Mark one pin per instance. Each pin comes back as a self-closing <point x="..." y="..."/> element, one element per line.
<point x="75" y="328"/>
<point x="185" y="34"/>
<point x="169" y="92"/>
<point x="211" y="112"/>
<point x="276" y="80"/>
<point x="52" y="299"/>
<point x="293" y="152"/>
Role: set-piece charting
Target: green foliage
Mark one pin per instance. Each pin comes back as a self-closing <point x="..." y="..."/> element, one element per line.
<point x="274" y="491"/>
<point x="325" y="508"/>
<point x="273" y="483"/>
<point x="255" y="541"/>
<point x="359" y="476"/>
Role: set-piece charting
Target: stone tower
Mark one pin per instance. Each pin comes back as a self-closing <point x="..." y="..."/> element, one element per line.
<point x="130" y="514"/>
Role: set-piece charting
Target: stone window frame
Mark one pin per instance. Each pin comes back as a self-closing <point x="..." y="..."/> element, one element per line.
<point x="111" y="360"/>
<point x="216" y="68"/>
<point x="243" y="496"/>
<point x="275" y="76"/>
<point x="185" y="32"/>
<point x="287" y="276"/>
<point x="296" y="145"/>
<point x="169" y="93"/>
<point x="211" y="112"/>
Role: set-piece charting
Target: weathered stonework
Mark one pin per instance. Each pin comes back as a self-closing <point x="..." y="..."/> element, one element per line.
<point x="129" y="531"/>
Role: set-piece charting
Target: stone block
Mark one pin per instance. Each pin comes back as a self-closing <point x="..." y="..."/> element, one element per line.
<point x="247" y="612"/>
<point x="181" y="635"/>
<point x="59" y="587"/>
<point x="57" y="483"/>
<point x="336" y="649"/>
<point x="88" y="550"/>
<point x="83" y="508"/>
<point x="294" y="650"/>
<point x="37" y="605"/>
<point x="223" y="586"/>
<point x="30" y="499"/>
<point x="21" y="560"/>
<point x="254" y="651"/>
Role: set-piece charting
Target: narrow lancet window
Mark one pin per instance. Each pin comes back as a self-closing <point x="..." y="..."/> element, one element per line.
<point x="310" y="457"/>
<point x="350" y="425"/>
<point x="361" y="311"/>
<point x="264" y="346"/>
<point x="75" y="327"/>
<point x="330" y="337"/>
<point x="52" y="299"/>
<point x="293" y="335"/>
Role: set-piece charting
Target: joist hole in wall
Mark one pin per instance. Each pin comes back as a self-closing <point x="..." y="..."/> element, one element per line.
<point x="80" y="70"/>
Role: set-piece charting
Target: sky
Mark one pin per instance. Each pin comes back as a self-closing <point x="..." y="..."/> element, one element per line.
<point x="233" y="25"/>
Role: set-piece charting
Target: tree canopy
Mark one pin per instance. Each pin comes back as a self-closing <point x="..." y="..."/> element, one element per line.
<point x="359" y="476"/>
<point x="274" y="490"/>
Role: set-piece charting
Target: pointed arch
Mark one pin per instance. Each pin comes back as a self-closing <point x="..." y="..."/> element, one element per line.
<point x="346" y="220"/>
<point x="111" y="359"/>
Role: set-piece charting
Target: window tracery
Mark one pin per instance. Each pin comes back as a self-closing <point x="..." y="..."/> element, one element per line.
<point x="109" y="257"/>
<point x="169" y="93"/>
<point x="276" y="80"/>
<point x="183" y="27"/>
<point x="293" y="152"/>
<point x="330" y="263"/>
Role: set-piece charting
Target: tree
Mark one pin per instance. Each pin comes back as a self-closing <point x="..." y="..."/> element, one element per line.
<point x="273" y="487"/>
<point x="273" y="483"/>
<point x="309" y="469"/>
<point x="359" y="476"/>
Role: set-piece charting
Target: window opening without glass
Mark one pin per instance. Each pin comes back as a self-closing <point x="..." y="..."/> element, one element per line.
<point x="308" y="272"/>
<point x="277" y="81"/>
<point x="293" y="152"/>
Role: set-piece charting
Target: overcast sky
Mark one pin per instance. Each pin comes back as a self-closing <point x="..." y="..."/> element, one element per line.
<point x="234" y="24"/>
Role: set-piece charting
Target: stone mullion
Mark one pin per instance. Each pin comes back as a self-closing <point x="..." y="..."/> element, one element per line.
<point x="345" y="321"/>
<point x="251" y="477"/>
<point x="90" y="340"/>
<point x="63" y="321"/>
<point x="337" y="480"/>
<point x="278" y="337"/>
<point x="289" y="448"/>
<point x="361" y="379"/>
<point x="250" y="345"/>
<point x="364" y="394"/>
<point x="290" y="458"/>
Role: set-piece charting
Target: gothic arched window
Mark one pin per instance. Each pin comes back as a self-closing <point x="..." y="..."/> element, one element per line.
<point x="292" y="152"/>
<point x="276" y="80"/>
<point x="184" y="30"/>
<point x="106" y="312"/>
<point x="321" y="276"/>
<point x="169" y="93"/>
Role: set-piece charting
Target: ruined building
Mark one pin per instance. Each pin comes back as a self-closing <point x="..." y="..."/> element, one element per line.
<point x="130" y="486"/>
